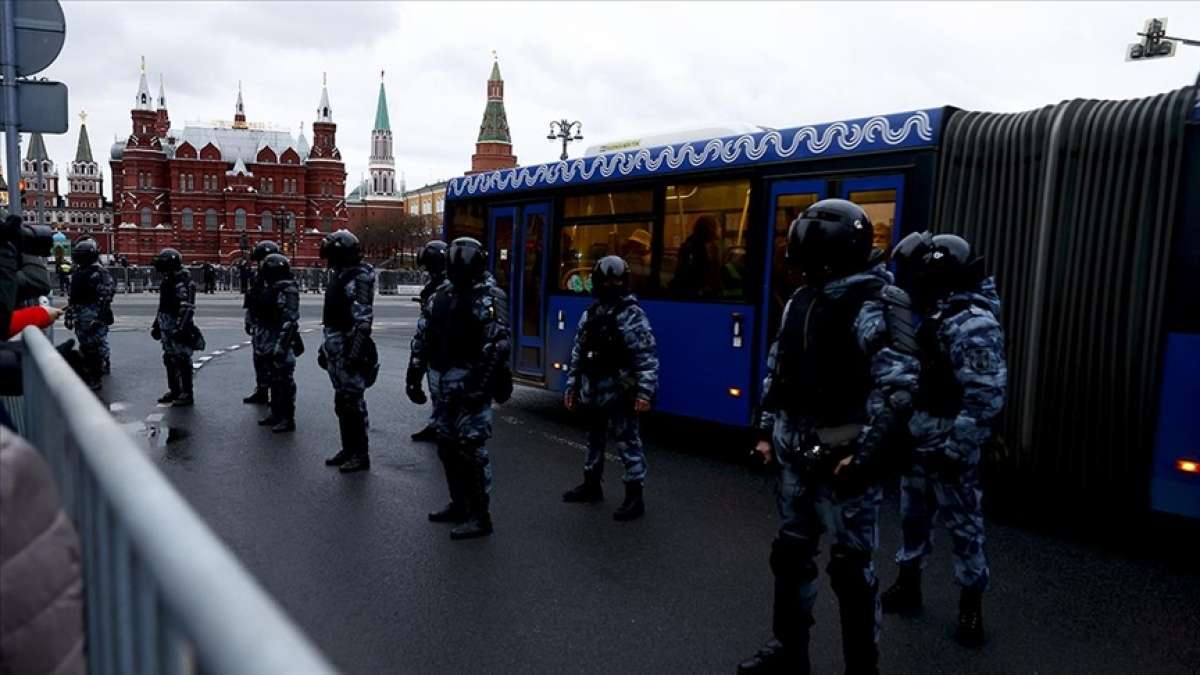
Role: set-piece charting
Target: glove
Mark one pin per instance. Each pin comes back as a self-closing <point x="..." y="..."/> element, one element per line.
<point x="279" y="353"/>
<point x="413" y="377"/>
<point x="156" y="332"/>
<point x="416" y="394"/>
<point x="322" y="360"/>
<point x="69" y="322"/>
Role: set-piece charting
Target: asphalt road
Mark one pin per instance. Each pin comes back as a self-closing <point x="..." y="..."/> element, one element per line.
<point x="562" y="588"/>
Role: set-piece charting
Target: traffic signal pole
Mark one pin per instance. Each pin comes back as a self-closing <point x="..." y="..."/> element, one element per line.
<point x="12" y="134"/>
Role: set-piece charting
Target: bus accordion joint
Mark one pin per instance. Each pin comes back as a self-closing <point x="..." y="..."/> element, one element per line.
<point x="1188" y="466"/>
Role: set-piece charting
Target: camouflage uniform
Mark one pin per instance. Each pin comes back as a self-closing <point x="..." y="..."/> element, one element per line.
<point x="348" y="351"/>
<point x="436" y="282"/>
<point x="257" y="296"/>
<point x="90" y="311"/>
<point x="176" y="309"/>
<point x="461" y="361"/>
<point x="811" y="499"/>
<point x="963" y="383"/>
<point x="607" y="397"/>
<point x="275" y="331"/>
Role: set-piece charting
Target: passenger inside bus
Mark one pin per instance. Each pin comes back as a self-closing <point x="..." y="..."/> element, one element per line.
<point x="696" y="271"/>
<point x="636" y="252"/>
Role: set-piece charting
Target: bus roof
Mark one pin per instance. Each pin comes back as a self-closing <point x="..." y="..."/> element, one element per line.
<point x="908" y="130"/>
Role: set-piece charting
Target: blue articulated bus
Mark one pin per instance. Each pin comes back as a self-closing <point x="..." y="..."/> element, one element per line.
<point x="1087" y="212"/>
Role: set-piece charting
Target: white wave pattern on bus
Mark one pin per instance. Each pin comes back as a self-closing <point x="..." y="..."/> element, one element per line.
<point x="775" y="145"/>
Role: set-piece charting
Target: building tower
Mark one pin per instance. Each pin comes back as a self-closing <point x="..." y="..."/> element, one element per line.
<point x="239" y="111"/>
<point x="382" y="164"/>
<point x="326" y="174"/>
<point x="493" y="149"/>
<point x="139" y="195"/>
<point x="162" y="123"/>
<point x="84" y="176"/>
<point x="47" y="187"/>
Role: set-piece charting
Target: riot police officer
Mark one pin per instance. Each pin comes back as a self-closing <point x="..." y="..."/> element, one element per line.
<point x="462" y="341"/>
<point x="174" y="326"/>
<point x="961" y="394"/>
<point x="348" y="352"/>
<point x="433" y="260"/>
<point x="613" y="377"/>
<point x="255" y="299"/>
<point x="277" y="331"/>
<point x="841" y="373"/>
<point x="90" y="309"/>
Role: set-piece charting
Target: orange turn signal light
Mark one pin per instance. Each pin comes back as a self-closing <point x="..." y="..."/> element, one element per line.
<point x="1188" y="465"/>
<point x="735" y="392"/>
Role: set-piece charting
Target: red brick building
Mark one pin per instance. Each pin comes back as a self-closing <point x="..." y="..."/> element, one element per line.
<point x="493" y="149"/>
<point x="209" y="190"/>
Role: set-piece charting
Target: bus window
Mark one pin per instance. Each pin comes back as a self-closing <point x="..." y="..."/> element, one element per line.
<point x="582" y="245"/>
<point x="704" y="240"/>
<point x="880" y="205"/>
<point x="784" y="279"/>
<point x="608" y="204"/>
<point x="465" y="220"/>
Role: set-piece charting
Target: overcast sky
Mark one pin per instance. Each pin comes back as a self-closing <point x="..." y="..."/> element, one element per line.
<point x="624" y="69"/>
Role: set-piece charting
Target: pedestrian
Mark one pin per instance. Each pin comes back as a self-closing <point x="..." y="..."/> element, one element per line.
<point x="276" y="335"/>
<point x="90" y="310"/>
<point x="174" y="326"/>
<point x="244" y="274"/>
<point x="256" y="299"/>
<point x="349" y="353"/>
<point x="840" y="377"/>
<point x="433" y="260"/>
<point x="961" y="395"/>
<point x="612" y="379"/>
<point x="463" y="342"/>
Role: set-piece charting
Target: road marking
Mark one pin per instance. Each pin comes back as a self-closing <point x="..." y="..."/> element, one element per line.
<point x="233" y="347"/>
<point x="196" y="365"/>
<point x="205" y="359"/>
<point x="216" y="352"/>
<point x="118" y="406"/>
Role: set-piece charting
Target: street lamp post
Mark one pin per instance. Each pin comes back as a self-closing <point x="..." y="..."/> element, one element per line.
<point x="563" y="129"/>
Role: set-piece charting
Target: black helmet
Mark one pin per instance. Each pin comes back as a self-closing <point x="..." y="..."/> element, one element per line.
<point x="433" y="257"/>
<point x="831" y="239"/>
<point x="275" y="267"/>
<point x="85" y="252"/>
<point x="931" y="266"/>
<point x="168" y="260"/>
<point x="340" y="248"/>
<point x="610" y="278"/>
<point x="263" y="249"/>
<point x="466" y="262"/>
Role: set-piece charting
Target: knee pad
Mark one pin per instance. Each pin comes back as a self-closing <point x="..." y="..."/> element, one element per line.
<point x="793" y="559"/>
<point x="344" y="405"/>
<point x="847" y="568"/>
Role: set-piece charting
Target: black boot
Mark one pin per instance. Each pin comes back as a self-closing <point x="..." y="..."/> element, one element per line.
<point x="172" y="384"/>
<point x="774" y="657"/>
<point x="260" y="395"/>
<point x="185" y="386"/>
<point x="283" y="426"/>
<point x="904" y="596"/>
<point x="426" y="435"/>
<point x="347" y="437"/>
<point x="587" y="492"/>
<point x="360" y="460"/>
<point x="457" y="511"/>
<point x="794" y="570"/>
<point x="480" y="522"/>
<point x="283" y="407"/>
<point x="268" y="421"/>
<point x="970" y="619"/>
<point x="856" y="607"/>
<point x="340" y="458"/>
<point x="633" y="506"/>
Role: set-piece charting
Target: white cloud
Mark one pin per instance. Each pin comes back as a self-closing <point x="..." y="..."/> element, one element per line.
<point x="624" y="69"/>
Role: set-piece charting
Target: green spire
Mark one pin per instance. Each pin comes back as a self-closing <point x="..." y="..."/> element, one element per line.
<point x="83" y="153"/>
<point x="381" y="111"/>
<point x="495" y="124"/>
<point x="495" y="72"/>
<point x="37" y="147"/>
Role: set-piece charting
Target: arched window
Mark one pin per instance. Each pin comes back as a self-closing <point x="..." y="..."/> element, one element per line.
<point x="210" y="219"/>
<point x="145" y="216"/>
<point x="239" y="220"/>
<point x="267" y="221"/>
<point x="187" y="219"/>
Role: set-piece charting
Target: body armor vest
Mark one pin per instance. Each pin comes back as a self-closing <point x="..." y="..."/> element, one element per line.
<point x="83" y="287"/>
<point x="337" y="314"/>
<point x="939" y="392"/>
<point x="823" y="373"/>
<point x="168" y="300"/>
<point x="602" y="348"/>
<point x="458" y="334"/>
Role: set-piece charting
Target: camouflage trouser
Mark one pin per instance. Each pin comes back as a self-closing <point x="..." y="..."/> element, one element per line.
<point x="282" y="382"/>
<point x="621" y="424"/>
<point x="92" y="335"/>
<point x="463" y="426"/>
<point x="955" y="501"/>
<point x="263" y="345"/>
<point x="810" y="506"/>
<point x="349" y="389"/>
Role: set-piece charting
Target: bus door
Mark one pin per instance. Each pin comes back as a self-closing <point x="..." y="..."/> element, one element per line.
<point x="788" y="199"/>
<point x="883" y="199"/>
<point x="518" y="237"/>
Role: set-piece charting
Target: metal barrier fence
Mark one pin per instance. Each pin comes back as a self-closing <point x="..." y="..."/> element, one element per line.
<point x="164" y="595"/>
<point x="311" y="279"/>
